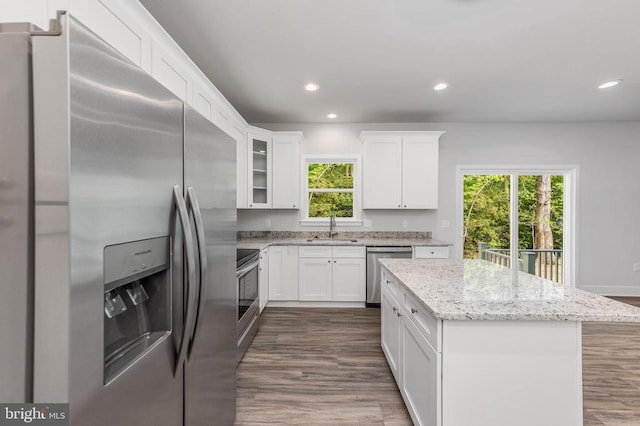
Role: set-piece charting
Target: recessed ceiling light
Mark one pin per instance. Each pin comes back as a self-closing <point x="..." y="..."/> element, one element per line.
<point x="311" y="87"/>
<point x="332" y="115"/>
<point x="440" y="86"/>
<point x="609" y="83"/>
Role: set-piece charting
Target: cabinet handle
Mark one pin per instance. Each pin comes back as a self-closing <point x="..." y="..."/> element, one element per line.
<point x="405" y="206"/>
<point x="394" y="309"/>
<point x="294" y="205"/>
<point x="398" y="314"/>
<point x="399" y="205"/>
<point x="335" y="261"/>
<point x="250" y="205"/>
<point x="328" y="261"/>
<point x="414" y="311"/>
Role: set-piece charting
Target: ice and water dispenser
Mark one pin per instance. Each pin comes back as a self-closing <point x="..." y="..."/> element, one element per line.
<point x="137" y="301"/>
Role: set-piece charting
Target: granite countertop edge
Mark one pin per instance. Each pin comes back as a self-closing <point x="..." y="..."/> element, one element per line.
<point x="613" y="311"/>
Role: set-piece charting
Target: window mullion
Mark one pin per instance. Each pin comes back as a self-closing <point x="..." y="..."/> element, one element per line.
<point x="513" y="224"/>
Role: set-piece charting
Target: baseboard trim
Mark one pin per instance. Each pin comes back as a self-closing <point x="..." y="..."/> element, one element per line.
<point x="297" y="304"/>
<point x="620" y="290"/>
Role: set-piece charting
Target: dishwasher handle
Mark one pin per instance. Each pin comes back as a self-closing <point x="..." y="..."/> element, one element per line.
<point x="389" y="249"/>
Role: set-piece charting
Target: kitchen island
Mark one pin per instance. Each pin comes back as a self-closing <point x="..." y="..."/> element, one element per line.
<point x="473" y="343"/>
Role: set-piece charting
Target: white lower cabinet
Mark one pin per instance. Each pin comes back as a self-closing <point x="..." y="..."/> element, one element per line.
<point x="283" y="273"/>
<point x="336" y="274"/>
<point x="349" y="280"/>
<point x="315" y="279"/>
<point x="263" y="279"/>
<point x="420" y="376"/>
<point x="391" y="332"/>
<point x="414" y="362"/>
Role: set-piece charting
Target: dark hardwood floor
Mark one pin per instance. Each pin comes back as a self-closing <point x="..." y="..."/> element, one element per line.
<point x="325" y="367"/>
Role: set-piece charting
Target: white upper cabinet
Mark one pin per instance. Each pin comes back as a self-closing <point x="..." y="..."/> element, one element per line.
<point x="382" y="171"/>
<point x="273" y="169"/>
<point x="259" y="168"/>
<point x="131" y="30"/>
<point x="241" y="167"/>
<point x="114" y="22"/>
<point x="170" y="72"/>
<point x="400" y="170"/>
<point x="420" y="171"/>
<point x="286" y="170"/>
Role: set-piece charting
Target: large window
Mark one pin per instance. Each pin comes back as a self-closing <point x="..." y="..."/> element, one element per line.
<point x="331" y="187"/>
<point x="522" y="219"/>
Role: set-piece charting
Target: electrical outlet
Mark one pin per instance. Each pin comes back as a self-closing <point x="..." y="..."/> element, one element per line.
<point x="445" y="224"/>
<point x="405" y="224"/>
<point x="267" y="223"/>
<point x="368" y="223"/>
<point x="636" y="267"/>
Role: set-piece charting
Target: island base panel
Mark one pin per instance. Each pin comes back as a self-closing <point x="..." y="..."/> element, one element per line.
<point x="503" y="373"/>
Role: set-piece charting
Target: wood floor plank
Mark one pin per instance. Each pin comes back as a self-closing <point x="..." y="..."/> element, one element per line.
<point x="326" y="367"/>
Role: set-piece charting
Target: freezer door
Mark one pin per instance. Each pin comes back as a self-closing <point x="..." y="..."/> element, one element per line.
<point x="16" y="218"/>
<point x="210" y="177"/>
<point x="124" y="148"/>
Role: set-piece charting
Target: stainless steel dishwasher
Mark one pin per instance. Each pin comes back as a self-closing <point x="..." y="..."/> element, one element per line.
<point x="374" y="289"/>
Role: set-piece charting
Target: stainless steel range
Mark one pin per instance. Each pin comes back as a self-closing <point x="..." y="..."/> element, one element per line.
<point x="248" y="312"/>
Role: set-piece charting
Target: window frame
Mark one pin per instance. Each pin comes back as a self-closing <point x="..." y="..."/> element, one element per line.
<point x="570" y="173"/>
<point x="356" y="220"/>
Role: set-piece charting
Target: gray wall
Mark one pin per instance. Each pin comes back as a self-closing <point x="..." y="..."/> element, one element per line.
<point x="608" y="209"/>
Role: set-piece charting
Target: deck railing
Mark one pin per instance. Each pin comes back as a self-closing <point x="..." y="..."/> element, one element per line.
<point x="543" y="263"/>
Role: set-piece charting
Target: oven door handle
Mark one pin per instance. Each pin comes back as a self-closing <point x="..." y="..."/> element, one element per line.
<point x="194" y="207"/>
<point x="245" y="269"/>
<point x="191" y="276"/>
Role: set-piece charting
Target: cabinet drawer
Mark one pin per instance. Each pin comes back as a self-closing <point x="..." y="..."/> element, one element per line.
<point x="352" y="252"/>
<point x="426" y="252"/>
<point x="424" y="320"/>
<point x="390" y="285"/>
<point x="315" y="251"/>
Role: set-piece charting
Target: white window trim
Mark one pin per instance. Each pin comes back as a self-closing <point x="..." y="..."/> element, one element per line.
<point x="570" y="173"/>
<point x="357" y="192"/>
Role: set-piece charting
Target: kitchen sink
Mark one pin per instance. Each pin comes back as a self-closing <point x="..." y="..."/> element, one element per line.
<point x="338" y="240"/>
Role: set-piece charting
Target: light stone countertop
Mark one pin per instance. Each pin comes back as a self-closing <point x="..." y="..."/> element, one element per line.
<point x="260" y="243"/>
<point x="481" y="290"/>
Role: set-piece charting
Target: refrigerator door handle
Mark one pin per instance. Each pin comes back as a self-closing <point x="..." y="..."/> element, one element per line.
<point x="194" y="206"/>
<point x="191" y="276"/>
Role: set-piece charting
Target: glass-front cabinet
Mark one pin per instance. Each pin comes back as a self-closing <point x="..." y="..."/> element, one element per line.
<point x="259" y="171"/>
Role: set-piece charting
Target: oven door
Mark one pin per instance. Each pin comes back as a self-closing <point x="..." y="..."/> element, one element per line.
<point x="248" y="300"/>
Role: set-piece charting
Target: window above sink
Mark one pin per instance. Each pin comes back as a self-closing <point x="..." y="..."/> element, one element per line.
<point x="331" y="185"/>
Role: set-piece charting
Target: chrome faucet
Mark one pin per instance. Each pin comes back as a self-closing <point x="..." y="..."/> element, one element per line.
<point x="332" y="225"/>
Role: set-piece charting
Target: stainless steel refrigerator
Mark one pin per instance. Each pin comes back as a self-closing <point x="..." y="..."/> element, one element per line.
<point x="117" y="238"/>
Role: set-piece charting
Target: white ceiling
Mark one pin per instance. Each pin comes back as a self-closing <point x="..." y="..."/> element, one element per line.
<point x="377" y="60"/>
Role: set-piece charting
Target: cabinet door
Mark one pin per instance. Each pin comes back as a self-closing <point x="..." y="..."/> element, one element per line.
<point x="241" y="168"/>
<point x="420" y="172"/>
<point x="391" y="332"/>
<point x="283" y="273"/>
<point x="382" y="172"/>
<point x="420" y="370"/>
<point x="170" y="72"/>
<point x="286" y="172"/>
<point x="263" y="280"/>
<point x="259" y="155"/>
<point x="349" y="280"/>
<point x="114" y="23"/>
<point x="315" y="278"/>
